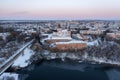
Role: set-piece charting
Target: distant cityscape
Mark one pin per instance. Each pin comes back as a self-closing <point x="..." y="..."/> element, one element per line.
<point x="25" y="42"/>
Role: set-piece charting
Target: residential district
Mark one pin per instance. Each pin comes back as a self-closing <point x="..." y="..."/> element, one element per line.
<point x="25" y="42"/>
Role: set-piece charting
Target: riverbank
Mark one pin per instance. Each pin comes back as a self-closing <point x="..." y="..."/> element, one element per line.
<point x="106" y="52"/>
<point x="101" y="54"/>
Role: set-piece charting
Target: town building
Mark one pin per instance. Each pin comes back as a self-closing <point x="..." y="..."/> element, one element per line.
<point x="114" y="35"/>
<point x="62" y="40"/>
<point x="59" y="36"/>
<point x="92" y="32"/>
<point x="71" y="45"/>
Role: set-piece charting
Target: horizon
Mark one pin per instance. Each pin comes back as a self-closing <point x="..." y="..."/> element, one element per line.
<point x="69" y="19"/>
<point x="59" y="10"/>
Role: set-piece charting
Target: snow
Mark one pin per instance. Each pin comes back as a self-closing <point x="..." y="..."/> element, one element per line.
<point x="44" y="34"/>
<point x="93" y="43"/>
<point x="23" y="60"/>
<point x="46" y="52"/>
<point x="100" y="60"/>
<point x="104" y="60"/>
<point x="76" y="41"/>
<point x="4" y="35"/>
<point x="6" y="76"/>
<point x="57" y="37"/>
<point x="62" y="35"/>
<point x="72" y="56"/>
<point x="70" y="42"/>
<point x="62" y="56"/>
<point x="85" y="56"/>
<point x="53" y="56"/>
<point x="2" y="60"/>
<point x="30" y="31"/>
<point x="16" y="53"/>
<point x="51" y="36"/>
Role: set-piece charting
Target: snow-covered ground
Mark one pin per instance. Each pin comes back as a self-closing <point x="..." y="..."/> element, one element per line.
<point x="95" y="42"/>
<point x="92" y="43"/>
<point x="69" y="42"/>
<point x="79" y="58"/>
<point x="16" y="53"/>
<point x="9" y="76"/>
<point x="52" y="36"/>
<point x="103" y="60"/>
<point x="2" y="60"/>
<point x="4" y="35"/>
<point x="23" y="60"/>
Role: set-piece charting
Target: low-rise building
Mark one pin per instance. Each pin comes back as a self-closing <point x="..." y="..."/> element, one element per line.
<point x="71" y="45"/>
<point x="113" y="35"/>
<point x="62" y="40"/>
<point x="92" y="32"/>
<point x="59" y="36"/>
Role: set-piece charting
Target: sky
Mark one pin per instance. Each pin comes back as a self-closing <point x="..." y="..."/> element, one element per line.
<point x="59" y="9"/>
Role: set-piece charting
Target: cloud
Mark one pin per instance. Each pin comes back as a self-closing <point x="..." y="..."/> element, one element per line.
<point x="19" y="13"/>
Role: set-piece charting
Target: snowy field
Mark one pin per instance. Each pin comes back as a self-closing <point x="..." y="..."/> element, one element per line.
<point x="9" y="76"/>
<point x="23" y="60"/>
